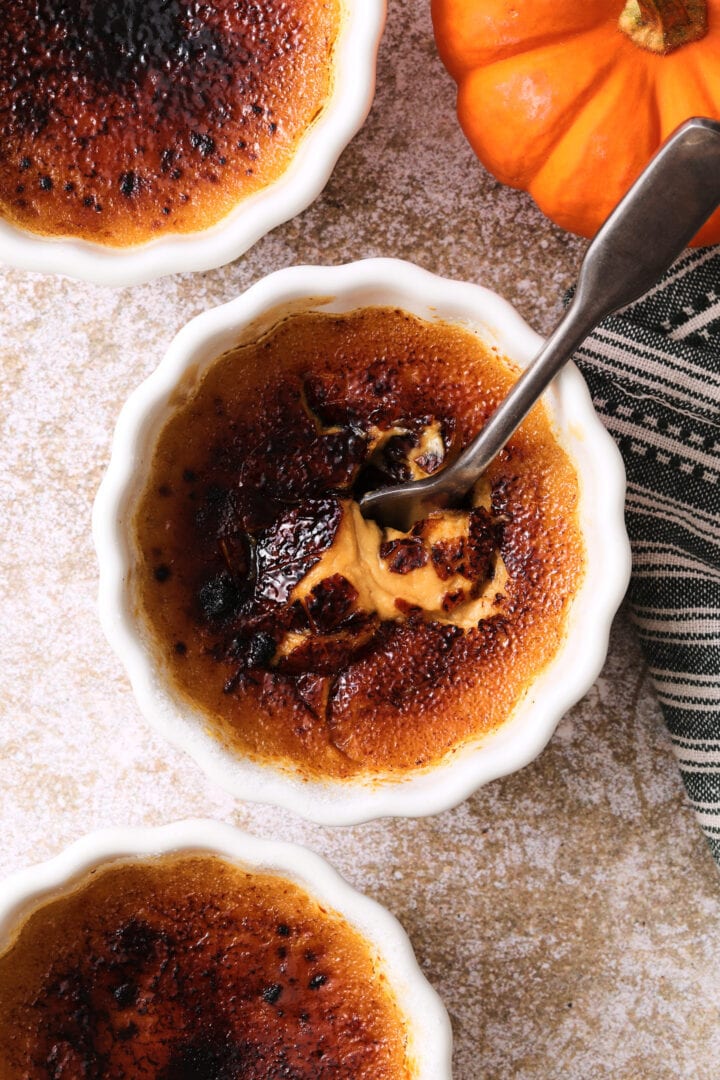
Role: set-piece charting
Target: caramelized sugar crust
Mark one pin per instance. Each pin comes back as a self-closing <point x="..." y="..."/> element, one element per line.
<point x="250" y="477"/>
<point x="189" y="967"/>
<point x="121" y="120"/>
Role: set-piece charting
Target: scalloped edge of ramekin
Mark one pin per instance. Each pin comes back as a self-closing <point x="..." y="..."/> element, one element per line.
<point x="429" y="1031"/>
<point x="387" y="282"/>
<point x="297" y="187"/>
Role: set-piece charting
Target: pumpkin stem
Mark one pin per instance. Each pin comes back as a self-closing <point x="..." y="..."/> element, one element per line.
<point x="664" y="25"/>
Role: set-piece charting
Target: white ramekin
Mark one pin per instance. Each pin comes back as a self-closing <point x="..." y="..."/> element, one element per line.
<point x="563" y="681"/>
<point x="430" y="1036"/>
<point x="344" y="114"/>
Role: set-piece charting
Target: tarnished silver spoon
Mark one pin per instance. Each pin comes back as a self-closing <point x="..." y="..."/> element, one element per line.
<point x="648" y="229"/>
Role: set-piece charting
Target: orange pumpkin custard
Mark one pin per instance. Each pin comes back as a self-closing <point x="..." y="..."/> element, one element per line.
<point x="188" y="967"/>
<point x="306" y="635"/>
<point x="121" y="120"/>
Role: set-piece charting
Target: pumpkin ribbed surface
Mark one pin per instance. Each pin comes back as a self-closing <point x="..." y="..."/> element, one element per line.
<point x="557" y="100"/>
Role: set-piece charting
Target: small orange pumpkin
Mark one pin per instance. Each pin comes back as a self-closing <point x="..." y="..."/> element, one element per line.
<point x="569" y="99"/>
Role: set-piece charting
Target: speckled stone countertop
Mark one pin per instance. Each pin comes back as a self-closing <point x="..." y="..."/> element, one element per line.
<point x="569" y="914"/>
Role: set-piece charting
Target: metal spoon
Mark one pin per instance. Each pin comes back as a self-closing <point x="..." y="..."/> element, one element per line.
<point x="648" y="229"/>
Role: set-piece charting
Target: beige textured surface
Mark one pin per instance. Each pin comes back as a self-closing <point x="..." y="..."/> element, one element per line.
<point x="568" y="914"/>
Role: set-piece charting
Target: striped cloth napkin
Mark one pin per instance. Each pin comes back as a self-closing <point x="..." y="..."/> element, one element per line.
<point x="654" y="374"/>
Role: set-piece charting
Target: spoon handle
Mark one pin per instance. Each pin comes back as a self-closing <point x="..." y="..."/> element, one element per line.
<point x="645" y="233"/>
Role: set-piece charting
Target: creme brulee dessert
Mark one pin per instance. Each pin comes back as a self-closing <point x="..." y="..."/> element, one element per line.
<point x="122" y="120"/>
<point x="188" y="966"/>
<point x="307" y="636"/>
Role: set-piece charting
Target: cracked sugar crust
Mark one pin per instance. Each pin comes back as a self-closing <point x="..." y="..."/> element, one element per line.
<point x="125" y="120"/>
<point x="246" y="479"/>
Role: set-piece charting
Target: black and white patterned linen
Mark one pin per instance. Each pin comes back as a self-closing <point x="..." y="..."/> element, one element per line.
<point x="654" y="374"/>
